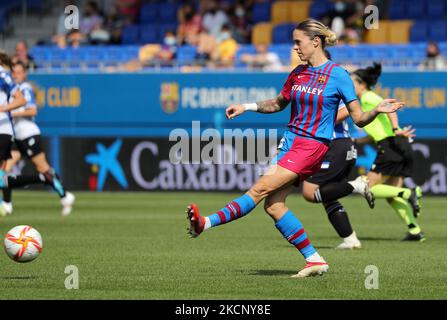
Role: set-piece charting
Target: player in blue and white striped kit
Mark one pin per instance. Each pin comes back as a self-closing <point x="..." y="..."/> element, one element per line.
<point x="337" y="164"/>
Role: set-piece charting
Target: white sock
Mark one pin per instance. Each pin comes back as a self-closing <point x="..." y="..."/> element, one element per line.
<point x="207" y="223"/>
<point x="315" y="258"/>
<point x="358" y="185"/>
<point x="352" y="238"/>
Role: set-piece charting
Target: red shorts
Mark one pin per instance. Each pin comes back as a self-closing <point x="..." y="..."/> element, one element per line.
<point x="300" y="155"/>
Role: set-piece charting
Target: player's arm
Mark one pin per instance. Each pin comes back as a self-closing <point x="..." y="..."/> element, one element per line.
<point x="19" y="100"/>
<point x="29" y="112"/>
<point x="266" y="106"/>
<point x="342" y="115"/>
<point x="408" y="131"/>
<point x="362" y="119"/>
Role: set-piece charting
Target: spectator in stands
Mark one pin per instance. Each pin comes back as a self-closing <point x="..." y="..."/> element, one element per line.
<point x="263" y="59"/>
<point x="114" y="25"/>
<point x="190" y="25"/>
<point x="91" y="19"/>
<point x="214" y="18"/>
<point x="22" y="55"/>
<point x="205" y="46"/>
<point x="128" y="10"/>
<point x="240" y="27"/>
<point x="224" y="54"/>
<point x="434" y="59"/>
<point x="75" y="39"/>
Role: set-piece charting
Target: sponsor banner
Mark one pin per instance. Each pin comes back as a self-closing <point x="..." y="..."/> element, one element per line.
<point x="144" y="164"/>
<point x="153" y="104"/>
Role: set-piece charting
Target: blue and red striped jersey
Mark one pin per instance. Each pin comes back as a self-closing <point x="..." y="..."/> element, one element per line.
<point x="315" y="94"/>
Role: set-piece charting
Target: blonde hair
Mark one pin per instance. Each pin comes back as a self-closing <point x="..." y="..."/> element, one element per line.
<point x="313" y="28"/>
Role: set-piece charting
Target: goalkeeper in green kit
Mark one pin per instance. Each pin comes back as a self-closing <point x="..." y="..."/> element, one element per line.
<point x="394" y="159"/>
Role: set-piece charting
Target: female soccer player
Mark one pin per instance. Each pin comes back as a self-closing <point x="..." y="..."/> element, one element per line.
<point x="394" y="159"/>
<point x="6" y="130"/>
<point x="315" y="90"/>
<point x="28" y="142"/>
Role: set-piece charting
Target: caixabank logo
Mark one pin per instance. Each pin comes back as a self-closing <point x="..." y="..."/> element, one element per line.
<point x="104" y="163"/>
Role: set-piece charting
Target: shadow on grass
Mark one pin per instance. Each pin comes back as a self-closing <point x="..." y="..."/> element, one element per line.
<point x="272" y="272"/>
<point x="18" y="277"/>
<point x="378" y="239"/>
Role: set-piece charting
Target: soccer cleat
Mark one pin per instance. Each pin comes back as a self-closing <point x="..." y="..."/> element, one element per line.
<point x="67" y="203"/>
<point x="345" y="245"/>
<point x="7" y="207"/>
<point x="414" y="237"/>
<point x="196" y="221"/>
<point x="367" y="193"/>
<point x="312" y="269"/>
<point x="416" y="195"/>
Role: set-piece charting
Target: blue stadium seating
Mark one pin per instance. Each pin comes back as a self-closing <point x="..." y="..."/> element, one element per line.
<point x="282" y="33"/>
<point x="416" y="9"/>
<point x="261" y="12"/>
<point x="397" y="9"/>
<point x="437" y="30"/>
<point x="320" y="8"/>
<point x="185" y="55"/>
<point x="131" y="35"/>
<point x="167" y="12"/>
<point x="419" y="31"/>
<point x="149" y="34"/>
<point x="436" y="9"/>
<point x="148" y="13"/>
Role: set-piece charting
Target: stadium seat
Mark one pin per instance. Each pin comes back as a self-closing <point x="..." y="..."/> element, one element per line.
<point x="131" y="35"/>
<point x="415" y="9"/>
<point x="399" y="31"/>
<point x="298" y="11"/>
<point x="167" y="12"/>
<point x="397" y="10"/>
<point x="282" y="33"/>
<point x="283" y="51"/>
<point x="378" y="36"/>
<point x="164" y="27"/>
<point x="280" y="12"/>
<point x="436" y="9"/>
<point x="262" y="33"/>
<point x="419" y="31"/>
<point x="437" y="30"/>
<point x="186" y="55"/>
<point x="148" y="13"/>
<point x="341" y="54"/>
<point x="149" y="34"/>
<point x="261" y="12"/>
<point x="319" y="9"/>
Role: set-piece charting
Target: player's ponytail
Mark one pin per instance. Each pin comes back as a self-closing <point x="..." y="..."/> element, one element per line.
<point x="370" y="75"/>
<point x="313" y="28"/>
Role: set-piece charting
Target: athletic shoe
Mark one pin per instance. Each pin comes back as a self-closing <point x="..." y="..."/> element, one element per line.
<point x="414" y="237"/>
<point x="349" y="245"/>
<point x="196" y="221"/>
<point x="312" y="269"/>
<point x="367" y="193"/>
<point x="67" y="203"/>
<point x="7" y="206"/>
<point x="416" y="195"/>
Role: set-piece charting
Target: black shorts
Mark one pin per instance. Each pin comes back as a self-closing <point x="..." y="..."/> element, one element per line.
<point x="5" y="147"/>
<point x="337" y="163"/>
<point x="394" y="157"/>
<point x="29" y="147"/>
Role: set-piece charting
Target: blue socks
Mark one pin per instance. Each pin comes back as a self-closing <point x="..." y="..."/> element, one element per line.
<point x="292" y="229"/>
<point x="232" y="211"/>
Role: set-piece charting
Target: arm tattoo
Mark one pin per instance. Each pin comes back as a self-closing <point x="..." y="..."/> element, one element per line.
<point x="273" y="105"/>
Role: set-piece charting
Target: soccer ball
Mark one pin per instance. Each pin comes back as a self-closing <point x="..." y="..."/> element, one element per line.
<point x="23" y="244"/>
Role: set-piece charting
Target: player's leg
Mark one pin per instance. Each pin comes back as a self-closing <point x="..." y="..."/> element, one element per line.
<point x="7" y="192"/>
<point x="275" y="178"/>
<point x="292" y="230"/>
<point x="42" y="166"/>
<point x="387" y="191"/>
<point x="337" y="216"/>
<point x="405" y="212"/>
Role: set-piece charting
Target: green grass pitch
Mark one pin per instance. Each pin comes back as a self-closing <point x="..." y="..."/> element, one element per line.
<point x="135" y="246"/>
